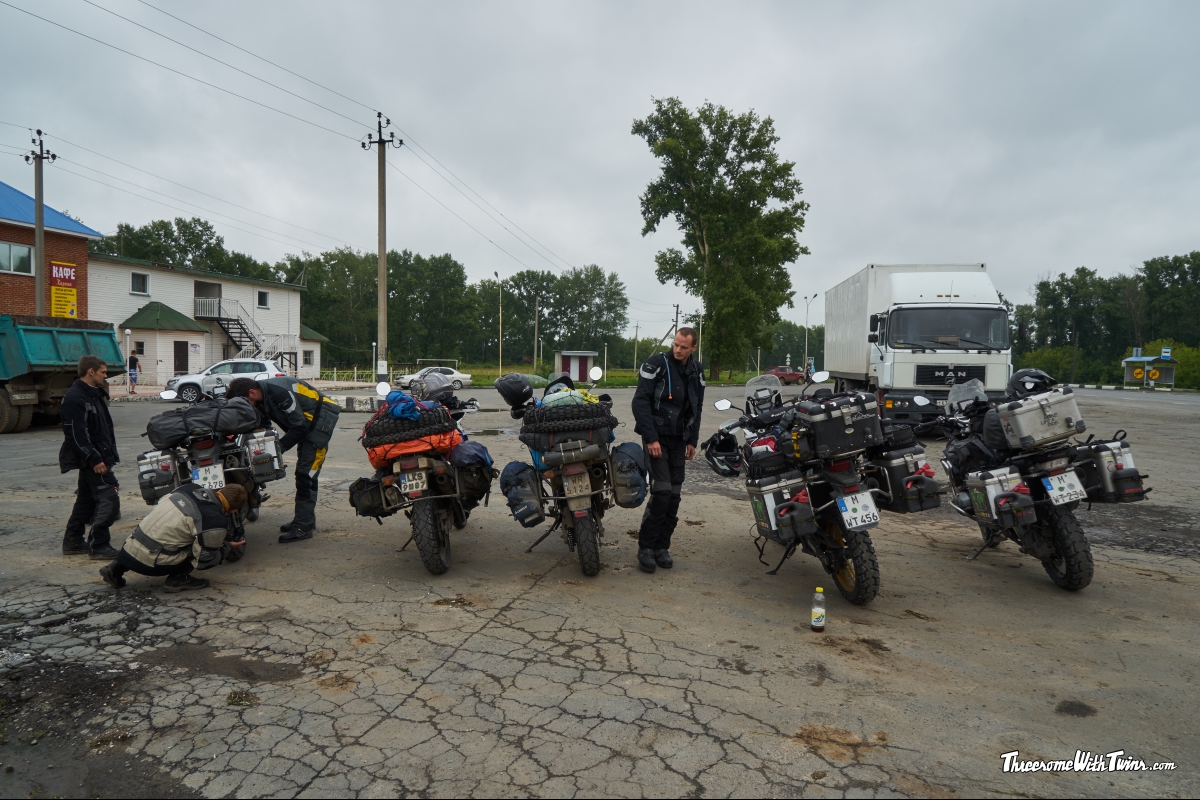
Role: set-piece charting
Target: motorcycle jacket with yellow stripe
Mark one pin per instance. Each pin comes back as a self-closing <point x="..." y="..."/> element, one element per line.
<point x="300" y="410"/>
<point x="188" y="523"/>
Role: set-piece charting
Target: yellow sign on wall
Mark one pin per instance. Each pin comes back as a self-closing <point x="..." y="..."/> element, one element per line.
<point x="64" y="300"/>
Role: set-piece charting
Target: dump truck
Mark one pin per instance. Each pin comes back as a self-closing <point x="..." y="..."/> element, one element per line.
<point x="902" y="330"/>
<point x="39" y="358"/>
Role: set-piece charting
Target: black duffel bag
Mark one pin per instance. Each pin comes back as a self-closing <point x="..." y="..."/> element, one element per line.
<point x="171" y="428"/>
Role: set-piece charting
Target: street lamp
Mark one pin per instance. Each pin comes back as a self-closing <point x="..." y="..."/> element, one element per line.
<point x="807" y="302"/>
<point x="500" y="284"/>
<point x="373" y="361"/>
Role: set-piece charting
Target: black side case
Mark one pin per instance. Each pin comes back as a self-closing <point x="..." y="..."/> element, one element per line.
<point x="841" y="426"/>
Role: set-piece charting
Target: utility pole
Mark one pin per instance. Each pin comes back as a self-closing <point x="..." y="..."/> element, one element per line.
<point x="377" y="140"/>
<point x="37" y="158"/>
<point x="535" y="334"/>
<point x="676" y="318"/>
<point x="807" y="301"/>
<point x="500" y="342"/>
<point x="635" y="342"/>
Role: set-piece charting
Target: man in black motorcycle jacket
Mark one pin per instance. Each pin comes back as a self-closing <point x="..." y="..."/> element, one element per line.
<point x="90" y="446"/>
<point x="308" y="419"/>
<point x="667" y="409"/>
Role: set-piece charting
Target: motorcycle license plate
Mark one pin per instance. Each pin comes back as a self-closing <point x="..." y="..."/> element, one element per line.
<point x="413" y="482"/>
<point x="212" y="477"/>
<point x="858" y="511"/>
<point x="576" y="485"/>
<point x="1065" y="488"/>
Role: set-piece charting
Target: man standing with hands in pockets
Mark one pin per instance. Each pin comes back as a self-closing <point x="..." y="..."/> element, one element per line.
<point x="666" y="410"/>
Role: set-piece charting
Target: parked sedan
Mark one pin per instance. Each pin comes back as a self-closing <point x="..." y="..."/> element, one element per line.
<point x="786" y="375"/>
<point x="190" y="387"/>
<point x="457" y="379"/>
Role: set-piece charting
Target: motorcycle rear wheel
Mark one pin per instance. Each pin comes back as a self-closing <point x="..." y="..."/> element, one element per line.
<point x="1072" y="568"/>
<point x="858" y="580"/>
<point x="587" y="542"/>
<point x="433" y="542"/>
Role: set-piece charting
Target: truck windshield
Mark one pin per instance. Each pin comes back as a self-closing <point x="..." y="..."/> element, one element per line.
<point x="948" y="328"/>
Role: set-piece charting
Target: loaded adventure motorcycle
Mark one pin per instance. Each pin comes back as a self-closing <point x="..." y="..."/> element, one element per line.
<point x="814" y="469"/>
<point x="1015" y="473"/>
<point x="575" y="475"/>
<point x="424" y="466"/>
<point x="212" y="442"/>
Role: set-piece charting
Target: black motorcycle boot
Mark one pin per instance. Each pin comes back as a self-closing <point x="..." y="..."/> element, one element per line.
<point x="183" y="583"/>
<point x="103" y="551"/>
<point x="75" y="547"/>
<point x="112" y="575"/>
<point x="287" y="526"/>
<point x="663" y="559"/>
<point x="296" y="534"/>
<point x="646" y="560"/>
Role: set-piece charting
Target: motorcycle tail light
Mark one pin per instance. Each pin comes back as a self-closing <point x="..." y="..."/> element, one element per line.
<point x="840" y="466"/>
<point x="207" y="443"/>
<point x="853" y="488"/>
<point x="206" y="462"/>
<point x="414" y="494"/>
<point x="408" y="464"/>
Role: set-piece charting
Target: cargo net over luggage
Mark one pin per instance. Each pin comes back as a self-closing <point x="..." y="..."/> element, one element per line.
<point x="404" y="426"/>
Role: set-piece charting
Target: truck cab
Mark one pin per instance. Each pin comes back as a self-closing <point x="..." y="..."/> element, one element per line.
<point x="922" y="329"/>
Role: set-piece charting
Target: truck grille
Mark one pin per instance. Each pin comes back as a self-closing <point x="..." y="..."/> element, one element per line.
<point x="938" y="375"/>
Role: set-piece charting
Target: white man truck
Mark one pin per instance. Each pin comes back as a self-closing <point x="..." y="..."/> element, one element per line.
<point x="902" y="330"/>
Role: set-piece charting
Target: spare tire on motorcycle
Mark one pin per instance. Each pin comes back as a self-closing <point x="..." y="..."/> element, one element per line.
<point x="628" y="473"/>
<point x="171" y="428"/>
<point x="473" y="464"/>
<point x="577" y="417"/>
<point x="521" y="486"/>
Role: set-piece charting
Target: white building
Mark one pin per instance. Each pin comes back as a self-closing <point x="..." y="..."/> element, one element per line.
<point x="182" y="320"/>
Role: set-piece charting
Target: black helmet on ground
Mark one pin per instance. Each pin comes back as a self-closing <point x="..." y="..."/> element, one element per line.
<point x="515" y="389"/>
<point x="1028" y="382"/>
<point x="722" y="453"/>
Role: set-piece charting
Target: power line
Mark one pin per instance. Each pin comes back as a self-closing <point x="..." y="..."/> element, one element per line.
<point x="225" y="63"/>
<point x="197" y="191"/>
<point x="182" y="74"/>
<point x="256" y="55"/>
<point x="168" y="205"/>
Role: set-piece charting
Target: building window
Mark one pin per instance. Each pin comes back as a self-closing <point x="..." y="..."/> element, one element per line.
<point x="139" y="283"/>
<point x="139" y="348"/>
<point x="264" y="299"/>
<point x="308" y="354"/>
<point x="16" y="258"/>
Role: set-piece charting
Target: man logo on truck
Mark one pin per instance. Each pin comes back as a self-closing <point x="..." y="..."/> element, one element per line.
<point x="950" y="373"/>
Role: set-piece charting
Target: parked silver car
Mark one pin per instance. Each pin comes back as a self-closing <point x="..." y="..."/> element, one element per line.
<point x="457" y="379"/>
<point x="190" y="387"/>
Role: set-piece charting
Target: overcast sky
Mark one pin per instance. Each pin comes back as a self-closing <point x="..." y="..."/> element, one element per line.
<point x="1036" y="137"/>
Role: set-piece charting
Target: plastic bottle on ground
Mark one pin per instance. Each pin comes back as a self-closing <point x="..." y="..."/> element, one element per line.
<point x="818" y="610"/>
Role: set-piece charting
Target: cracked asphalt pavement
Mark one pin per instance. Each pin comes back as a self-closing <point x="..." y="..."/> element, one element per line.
<point x="339" y="667"/>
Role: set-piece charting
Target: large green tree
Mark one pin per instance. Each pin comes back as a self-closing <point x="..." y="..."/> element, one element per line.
<point x="339" y="301"/>
<point x="182" y="242"/>
<point x="737" y="204"/>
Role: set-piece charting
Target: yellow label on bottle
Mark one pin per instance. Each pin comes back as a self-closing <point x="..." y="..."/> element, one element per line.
<point x="818" y="618"/>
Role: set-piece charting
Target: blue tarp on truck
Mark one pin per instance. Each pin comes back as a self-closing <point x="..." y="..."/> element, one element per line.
<point x="38" y="361"/>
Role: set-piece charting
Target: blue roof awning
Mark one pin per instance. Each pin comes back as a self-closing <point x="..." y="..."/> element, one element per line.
<point x="17" y="208"/>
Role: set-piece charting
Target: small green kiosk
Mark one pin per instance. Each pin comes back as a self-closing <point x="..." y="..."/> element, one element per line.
<point x="1149" y="372"/>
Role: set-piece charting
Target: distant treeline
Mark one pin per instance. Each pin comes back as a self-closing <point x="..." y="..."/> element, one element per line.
<point x="1081" y="325"/>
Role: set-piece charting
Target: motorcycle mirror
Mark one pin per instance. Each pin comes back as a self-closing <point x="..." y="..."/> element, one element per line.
<point x="819" y="377"/>
<point x="722" y="405"/>
<point x="169" y="394"/>
<point x="921" y="401"/>
<point x="383" y="388"/>
<point x="595" y="373"/>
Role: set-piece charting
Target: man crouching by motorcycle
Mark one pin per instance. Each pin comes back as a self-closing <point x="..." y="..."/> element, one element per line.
<point x="185" y="531"/>
<point x="308" y="419"/>
<point x="666" y="410"/>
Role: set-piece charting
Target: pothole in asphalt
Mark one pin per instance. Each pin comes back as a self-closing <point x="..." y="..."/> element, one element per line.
<point x="202" y="658"/>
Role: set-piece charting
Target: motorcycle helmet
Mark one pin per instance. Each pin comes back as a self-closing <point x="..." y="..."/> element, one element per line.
<point x="1028" y="382"/>
<point x="515" y="389"/>
<point x="722" y="453"/>
<point x="432" y="388"/>
<point x="558" y="382"/>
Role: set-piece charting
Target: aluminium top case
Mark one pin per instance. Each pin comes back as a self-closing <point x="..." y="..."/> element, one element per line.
<point x="841" y="426"/>
<point x="1040" y="419"/>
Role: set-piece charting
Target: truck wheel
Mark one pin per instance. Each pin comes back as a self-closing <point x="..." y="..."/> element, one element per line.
<point x="8" y="414"/>
<point x="1071" y="568"/>
<point x="588" y="543"/>
<point x="24" y="417"/>
<point x="433" y="542"/>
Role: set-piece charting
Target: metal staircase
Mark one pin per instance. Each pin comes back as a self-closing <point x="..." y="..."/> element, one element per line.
<point x="245" y="333"/>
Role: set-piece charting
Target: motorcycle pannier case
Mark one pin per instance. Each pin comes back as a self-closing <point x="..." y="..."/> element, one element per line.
<point x="265" y="460"/>
<point x="627" y="467"/>
<point x="996" y="499"/>
<point x="768" y="494"/>
<point x="841" y="426"/>
<point x="1041" y="419"/>
<point x="375" y="497"/>
<point x="906" y="476"/>
<point x="1109" y="474"/>
<point x="522" y="488"/>
<point x="473" y="465"/>
<point x="156" y="475"/>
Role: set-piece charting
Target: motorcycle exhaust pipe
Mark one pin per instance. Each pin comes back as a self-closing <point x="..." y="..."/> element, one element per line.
<point x="442" y="479"/>
<point x="597" y="473"/>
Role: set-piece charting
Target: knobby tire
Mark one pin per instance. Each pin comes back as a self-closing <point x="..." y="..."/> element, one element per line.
<point x="429" y="538"/>
<point x="587" y="543"/>
<point x="858" y="581"/>
<point x="1072" y="569"/>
